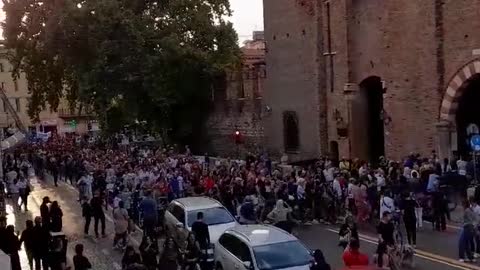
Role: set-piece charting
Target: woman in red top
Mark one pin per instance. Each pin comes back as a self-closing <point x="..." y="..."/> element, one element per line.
<point x="353" y="257"/>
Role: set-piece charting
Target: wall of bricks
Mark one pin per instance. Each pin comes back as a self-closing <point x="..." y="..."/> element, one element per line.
<point x="293" y="74"/>
<point x="414" y="46"/>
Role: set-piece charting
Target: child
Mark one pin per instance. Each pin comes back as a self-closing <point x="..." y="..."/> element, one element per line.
<point x="80" y="262"/>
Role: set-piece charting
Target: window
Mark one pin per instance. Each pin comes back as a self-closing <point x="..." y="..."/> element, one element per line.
<point x="17" y="105"/>
<point x="235" y="246"/>
<point x="290" y="131"/>
<point x="178" y="213"/>
<point x="241" y="89"/>
<point x="282" y="255"/>
<point x="4" y="106"/>
<point x="15" y="85"/>
<point x="2" y="68"/>
<point x="3" y="86"/>
<point x="211" y="216"/>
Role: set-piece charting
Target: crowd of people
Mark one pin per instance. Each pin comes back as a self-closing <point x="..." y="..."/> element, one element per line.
<point x="136" y="182"/>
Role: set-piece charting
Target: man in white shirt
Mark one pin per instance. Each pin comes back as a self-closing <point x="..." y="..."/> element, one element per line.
<point x="337" y="188"/>
<point x="380" y="181"/>
<point x="386" y="204"/>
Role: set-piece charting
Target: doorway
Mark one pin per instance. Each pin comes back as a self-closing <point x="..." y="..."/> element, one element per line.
<point x="468" y="114"/>
<point x="371" y="90"/>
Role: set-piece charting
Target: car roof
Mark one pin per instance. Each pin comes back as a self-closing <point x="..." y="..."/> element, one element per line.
<point x="259" y="235"/>
<point x="197" y="203"/>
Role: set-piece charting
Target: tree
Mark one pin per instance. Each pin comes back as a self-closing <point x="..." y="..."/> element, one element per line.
<point x="153" y="60"/>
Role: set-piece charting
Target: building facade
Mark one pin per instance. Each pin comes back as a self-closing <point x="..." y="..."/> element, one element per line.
<point x="367" y="78"/>
<point x="61" y="122"/>
<point x="238" y="104"/>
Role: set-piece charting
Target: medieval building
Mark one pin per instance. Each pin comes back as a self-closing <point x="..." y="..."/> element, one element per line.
<point x="368" y="78"/>
<point x="235" y="125"/>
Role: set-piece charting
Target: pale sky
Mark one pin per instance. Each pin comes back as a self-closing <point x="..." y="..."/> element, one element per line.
<point x="247" y="17"/>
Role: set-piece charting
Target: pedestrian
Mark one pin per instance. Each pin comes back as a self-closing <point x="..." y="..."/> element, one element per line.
<point x="15" y="194"/>
<point x="3" y="232"/>
<point x="352" y="257"/>
<point x="408" y="211"/>
<point x="465" y="252"/>
<point x="385" y="229"/>
<point x="130" y="258"/>
<point x="85" y="186"/>
<point x="320" y="263"/>
<point x="348" y="231"/>
<point x="149" y="252"/>
<point x="27" y="238"/>
<point x="24" y="190"/>
<point x="87" y="214"/>
<point x="279" y="216"/>
<point x="56" y="215"/>
<point x="120" y="220"/>
<point x="200" y="231"/>
<point x="12" y="247"/>
<point x="381" y="257"/>
<point x="149" y="210"/>
<point x="45" y="212"/>
<point x="80" y="262"/>
<point x="98" y="215"/>
<point x="40" y="240"/>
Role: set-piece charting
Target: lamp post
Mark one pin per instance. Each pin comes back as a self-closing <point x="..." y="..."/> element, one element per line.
<point x="349" y="92"/>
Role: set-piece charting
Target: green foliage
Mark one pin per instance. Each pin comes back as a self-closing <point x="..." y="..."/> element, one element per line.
<point x="153" y="60"/>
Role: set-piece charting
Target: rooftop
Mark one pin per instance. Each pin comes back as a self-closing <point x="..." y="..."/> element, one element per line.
<point x="195" y="203"/>
<point x="258" y="235"/>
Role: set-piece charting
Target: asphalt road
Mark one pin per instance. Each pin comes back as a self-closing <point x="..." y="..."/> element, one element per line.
<point x="435" y="250"/>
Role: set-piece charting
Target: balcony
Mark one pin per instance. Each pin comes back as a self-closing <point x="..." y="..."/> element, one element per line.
<point x="69" y="113"/>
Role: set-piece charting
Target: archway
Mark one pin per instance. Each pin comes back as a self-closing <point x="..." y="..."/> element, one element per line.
<point x="468" y="113"/>
<point x="458" y="109"/>
<point x="371" y="92"/>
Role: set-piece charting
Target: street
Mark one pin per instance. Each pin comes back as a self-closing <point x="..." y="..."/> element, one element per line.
<point x="434" y="249"/>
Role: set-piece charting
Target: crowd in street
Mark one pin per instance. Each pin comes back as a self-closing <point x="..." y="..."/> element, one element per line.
<point x="136" y="182"/>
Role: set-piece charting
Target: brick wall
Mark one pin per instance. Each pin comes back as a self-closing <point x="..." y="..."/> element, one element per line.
<point x="293" y="73"/>
<point x="414" y="46"/>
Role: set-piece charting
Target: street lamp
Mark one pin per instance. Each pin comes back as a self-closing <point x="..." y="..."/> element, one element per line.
<point x="349" y="92"/>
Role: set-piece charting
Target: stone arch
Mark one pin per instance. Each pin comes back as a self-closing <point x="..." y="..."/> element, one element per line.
<point x="454" y="90"/>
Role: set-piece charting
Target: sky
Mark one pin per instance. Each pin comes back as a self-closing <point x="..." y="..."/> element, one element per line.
<point x="247" y="17"/>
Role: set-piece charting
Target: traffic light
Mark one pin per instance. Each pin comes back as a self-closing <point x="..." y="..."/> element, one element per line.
<point x="237" y="137"/>
<point x="73" y="123"/>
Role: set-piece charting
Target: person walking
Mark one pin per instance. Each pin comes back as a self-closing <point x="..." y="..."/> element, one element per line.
<point x="40" y="240"/>
<point x="27" y="239"/>
<point x="15" y="194"/>
<point x="279" y="216"/>
<point x="409" y="204"/>
<point x="87" y="213"/>
<point x="97" y="211"/>
<point x="56" y="215"/>
<point x="148" y="207"/>
<point x="120" y="220"/>
<point x="45" y="212"/>
<point x="23" y="190"/>
<point x="12" y="247"/>
<point x="80" y="262"/>
<point x="465" y="252"/>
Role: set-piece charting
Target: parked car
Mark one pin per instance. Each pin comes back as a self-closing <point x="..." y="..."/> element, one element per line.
<point x="182" y="213"/>
<point x="260" y="247"/>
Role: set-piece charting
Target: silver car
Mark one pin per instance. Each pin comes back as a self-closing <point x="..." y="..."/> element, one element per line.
<point x="182" y="213"/>
<point x="260" y="247"/>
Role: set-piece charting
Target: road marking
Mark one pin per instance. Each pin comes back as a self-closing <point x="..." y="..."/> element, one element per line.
<point x="422" y="254"/>
<point x="448" y="226"/>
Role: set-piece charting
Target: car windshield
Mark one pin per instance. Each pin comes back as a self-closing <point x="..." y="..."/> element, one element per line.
<point x="281" y="255"/>
<point x="211" y="216"/>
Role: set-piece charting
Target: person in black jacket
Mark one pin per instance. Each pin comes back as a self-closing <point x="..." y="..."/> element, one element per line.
<point x="45" y="212"/>
<point x="27" y="237"/>
<point x="56" y="215"/>
<point x="320" y="263"/>
<point x="97" y="211"/>
<point x="12" y="247"/>
<point x="40" y="241"/>
<point x="200" y="231"/>
<point x="87" y="214"/>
